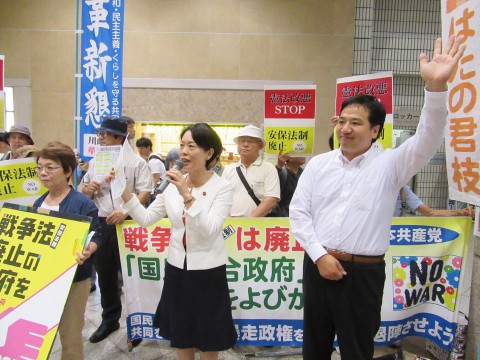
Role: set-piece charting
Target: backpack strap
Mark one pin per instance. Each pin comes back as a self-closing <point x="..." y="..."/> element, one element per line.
<point x="155" y="156"/>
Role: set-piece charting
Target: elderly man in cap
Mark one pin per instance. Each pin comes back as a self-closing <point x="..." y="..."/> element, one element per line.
<point x="18" y="137"/>
<point x="112" y="131"/>
<point x="261" y="177"/>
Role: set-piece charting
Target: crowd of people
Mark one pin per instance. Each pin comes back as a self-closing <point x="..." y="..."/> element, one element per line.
<point x="340" y="206"/>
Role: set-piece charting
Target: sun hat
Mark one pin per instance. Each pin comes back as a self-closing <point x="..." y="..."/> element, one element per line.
<point x="21" y="129"/>
<point x="251" y="131"/>
<point x="113" y="125"/>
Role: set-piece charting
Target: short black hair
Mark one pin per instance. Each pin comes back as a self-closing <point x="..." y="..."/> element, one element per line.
<point x="205" y="137"/>
<point x="2" y="137"/>
<point x="376" y="110"/>
<point x="128" y="119"/>
<point x="144" y="142"/>
<point x="330" y="141"/>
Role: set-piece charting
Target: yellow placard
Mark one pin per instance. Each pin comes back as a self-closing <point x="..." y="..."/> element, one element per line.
<point x="295" y="140"/>
<point x="37" y="265"/>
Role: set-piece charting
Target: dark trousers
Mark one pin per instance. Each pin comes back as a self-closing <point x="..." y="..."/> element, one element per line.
<point x="107" y="264"/>
<point x="350" y="308"/>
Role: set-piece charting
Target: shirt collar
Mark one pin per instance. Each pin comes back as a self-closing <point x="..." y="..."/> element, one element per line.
<point x="257" y="162"/>
<point x="357" y="161"/>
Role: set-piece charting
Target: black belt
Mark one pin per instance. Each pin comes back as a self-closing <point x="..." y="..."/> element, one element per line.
<point x="342" y="256"/>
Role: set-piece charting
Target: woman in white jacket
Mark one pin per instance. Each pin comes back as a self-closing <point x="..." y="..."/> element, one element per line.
<point x="194" y="310"/>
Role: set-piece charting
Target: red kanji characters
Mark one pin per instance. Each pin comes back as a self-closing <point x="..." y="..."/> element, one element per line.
<point x="160" y="238"/>
<point x="136" y="238"/>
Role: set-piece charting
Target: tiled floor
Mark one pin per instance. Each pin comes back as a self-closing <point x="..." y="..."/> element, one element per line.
<point x="115" y="346"/>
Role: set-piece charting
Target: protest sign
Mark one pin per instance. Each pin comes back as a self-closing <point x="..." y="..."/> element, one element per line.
<point x="37" y="265"/>
<point x="264" y="272"/>
<point x="289" y="120"/>
<point x="462" y="18"/>
<point x="19" y="182"/>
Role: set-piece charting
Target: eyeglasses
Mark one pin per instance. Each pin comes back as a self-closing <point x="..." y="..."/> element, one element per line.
<point x="101" y="133"/>
<point x="48" y="169"/>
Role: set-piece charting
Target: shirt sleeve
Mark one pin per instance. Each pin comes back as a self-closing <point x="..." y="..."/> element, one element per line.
<point x="413" y="201"/>
<point x="145" y="217"/>
<point x="272" y="182"/>
<point x="417" y="151"/>
<point x="156" y="167"/>
<point x="143" y="181"/>
<point x="301" y="216"/>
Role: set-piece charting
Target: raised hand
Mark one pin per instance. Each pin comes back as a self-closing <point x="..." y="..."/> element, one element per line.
<point x="438" y="70"/>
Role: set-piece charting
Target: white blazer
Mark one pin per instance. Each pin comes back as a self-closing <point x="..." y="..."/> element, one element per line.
<point x="203" y="222"/>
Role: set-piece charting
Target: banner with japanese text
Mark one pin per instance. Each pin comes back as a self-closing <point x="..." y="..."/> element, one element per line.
<point x="289" y="121"/>
<point x="264" y="273"/>
<point x="101" y="63"/>
<point x="19" y="183"/>
<point x="2" y="94"/>
<point x="462" y="134"/>
<point x="379" y="85"/>
<point x="37" y="265"/>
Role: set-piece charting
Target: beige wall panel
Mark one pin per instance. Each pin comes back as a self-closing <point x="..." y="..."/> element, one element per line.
<point x="53" y="117"/>
<point x="254" y="57"/>
<point x="256" y="16"/>
<point x="223" y="71"/>
<point x="224" y="49"/>
<point x="225" y="16"/>
<point x="167" y="16"/>
<point x="34" y="14"/>
<point x="15" y="45"/>
<point x="53" y="60"/>
<point x="15" y="14"/>
<point x="136" y="55"/>
<point x="52" y="15"/>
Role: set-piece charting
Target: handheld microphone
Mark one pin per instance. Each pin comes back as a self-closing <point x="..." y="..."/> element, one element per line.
<point x="163" y="185"/>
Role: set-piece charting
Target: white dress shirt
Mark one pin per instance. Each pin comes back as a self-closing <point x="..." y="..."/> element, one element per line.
<point x="203" y="222"/>
<point x="138" y="179"/>
<point x="348" y="205"/>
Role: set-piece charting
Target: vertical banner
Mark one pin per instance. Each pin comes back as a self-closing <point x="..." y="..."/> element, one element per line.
<point x="289" y="121"/>
<point x="379" y="85"/>
<point x="2" y="94"/>
<point x="102" y="56"/>
<point x="424" y="271"/>
<point x="37" y="266"/>
<point x="462" y="135"/>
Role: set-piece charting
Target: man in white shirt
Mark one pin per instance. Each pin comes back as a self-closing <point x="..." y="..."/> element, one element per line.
<point x="112" y="131"/>
<point x="342" y="210"/>
<point x="261" y="176"/>
<point x="155" y="162"/>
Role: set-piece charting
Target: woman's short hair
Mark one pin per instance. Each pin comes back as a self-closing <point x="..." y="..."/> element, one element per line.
<point x="61" y="153"/>
<point x="205" y="137"/>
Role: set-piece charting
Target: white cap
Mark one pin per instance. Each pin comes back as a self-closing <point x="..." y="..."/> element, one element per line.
<point x="251" y="131"/>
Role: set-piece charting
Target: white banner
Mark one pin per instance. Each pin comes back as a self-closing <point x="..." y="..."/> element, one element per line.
<point x="462" y="135"/>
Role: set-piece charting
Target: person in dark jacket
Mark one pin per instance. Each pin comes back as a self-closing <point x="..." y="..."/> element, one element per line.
<point x="55" y="165"/>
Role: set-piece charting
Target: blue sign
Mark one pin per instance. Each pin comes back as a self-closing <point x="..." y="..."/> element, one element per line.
<point x="101" y="64"/>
